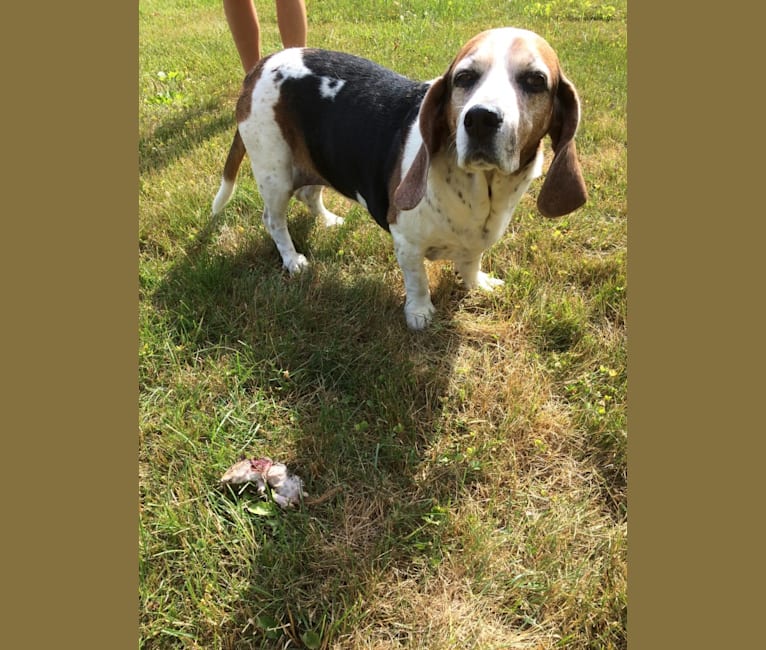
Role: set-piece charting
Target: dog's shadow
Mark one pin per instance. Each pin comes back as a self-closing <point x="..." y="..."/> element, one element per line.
<point x="361" y="397"/>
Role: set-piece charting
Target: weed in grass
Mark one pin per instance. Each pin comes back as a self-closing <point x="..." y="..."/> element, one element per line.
<point x="168" y="87"/>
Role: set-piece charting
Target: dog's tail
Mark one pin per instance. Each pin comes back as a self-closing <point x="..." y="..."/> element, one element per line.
<point x="230" y="169"/>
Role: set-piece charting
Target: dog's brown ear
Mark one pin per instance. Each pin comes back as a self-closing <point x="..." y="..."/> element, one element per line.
<point x="433" y="129"/>
<point x="563" y="190"/>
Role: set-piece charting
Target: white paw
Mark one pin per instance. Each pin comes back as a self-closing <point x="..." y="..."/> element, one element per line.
<point x="330" y="219"/>
<point x="296" y="264"/>
<point x="487" y="282"/>
<point x="419" y="316"/>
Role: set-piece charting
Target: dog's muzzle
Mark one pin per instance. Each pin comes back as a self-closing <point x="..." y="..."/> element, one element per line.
<point x="482" y="127"/>
<point x="482" y="123"/>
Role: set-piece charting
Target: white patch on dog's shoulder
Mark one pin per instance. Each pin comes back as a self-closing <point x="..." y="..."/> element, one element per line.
<point x="360" y="200"/>
<point x="287" y="64"/>
<point x="330" y="87"/>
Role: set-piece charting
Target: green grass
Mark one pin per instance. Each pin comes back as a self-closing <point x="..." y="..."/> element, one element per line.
<point x="483" y="464"/>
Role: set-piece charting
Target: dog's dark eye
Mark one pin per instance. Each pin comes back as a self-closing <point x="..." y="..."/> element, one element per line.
<point x="534" y="82"/>
<point x="465" y="78"/>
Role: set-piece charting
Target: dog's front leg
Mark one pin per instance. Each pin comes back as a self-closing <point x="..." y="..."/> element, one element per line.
<point x="418" y="308"/>
<point x="311" y="195"/>
<point x="474" y="277"/>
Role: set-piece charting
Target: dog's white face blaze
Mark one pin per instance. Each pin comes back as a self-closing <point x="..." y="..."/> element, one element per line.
<point x="498" y="61"/>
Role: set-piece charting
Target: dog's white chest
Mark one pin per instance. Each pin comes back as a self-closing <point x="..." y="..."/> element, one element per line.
<point x="463" y="213"/>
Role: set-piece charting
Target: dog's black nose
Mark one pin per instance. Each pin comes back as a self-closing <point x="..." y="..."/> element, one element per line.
<point x="482" y="121"/>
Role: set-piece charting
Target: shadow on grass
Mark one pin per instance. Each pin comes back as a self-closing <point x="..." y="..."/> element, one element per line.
<point x="365" y="399"/>
<point x="180" y="134"/>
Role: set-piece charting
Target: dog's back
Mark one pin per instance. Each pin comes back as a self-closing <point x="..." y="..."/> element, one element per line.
<point x="354" y="116"/>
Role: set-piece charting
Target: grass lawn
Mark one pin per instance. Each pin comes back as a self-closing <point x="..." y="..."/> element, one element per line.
<point x="480" y="467"/>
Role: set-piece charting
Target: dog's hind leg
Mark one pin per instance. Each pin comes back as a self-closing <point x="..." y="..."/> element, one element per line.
<point x="275" y="202"/>
<point x="311" y="195"/>
<point x="273" y="169"/>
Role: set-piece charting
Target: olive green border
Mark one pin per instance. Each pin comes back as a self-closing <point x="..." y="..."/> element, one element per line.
<point x="70" y="189"/>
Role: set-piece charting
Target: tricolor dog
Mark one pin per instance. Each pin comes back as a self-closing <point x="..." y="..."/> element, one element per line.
<point x="440" y="164"/>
